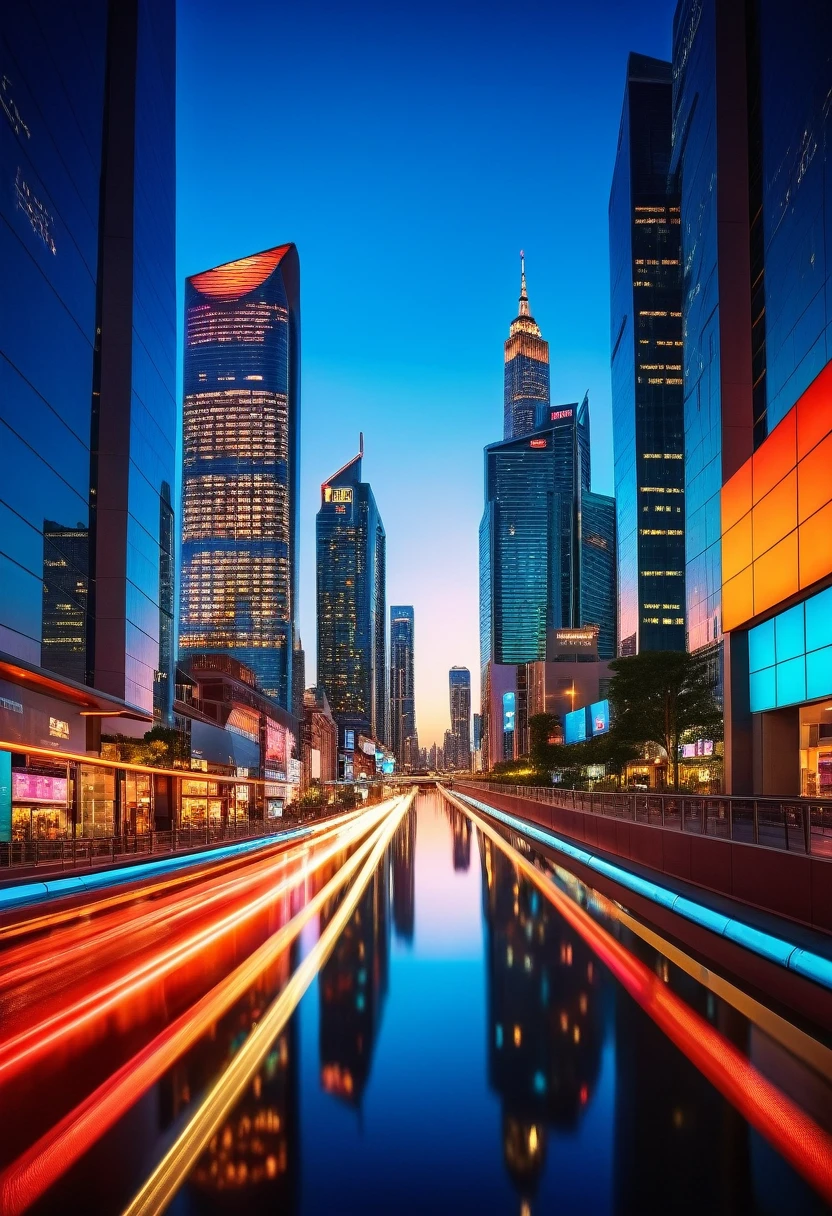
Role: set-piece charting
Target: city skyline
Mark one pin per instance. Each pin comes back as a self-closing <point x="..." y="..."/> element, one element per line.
<point x="370" y="359"/>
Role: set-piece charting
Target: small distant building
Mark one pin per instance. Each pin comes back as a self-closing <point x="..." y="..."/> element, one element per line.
<point x="320" y="739"/>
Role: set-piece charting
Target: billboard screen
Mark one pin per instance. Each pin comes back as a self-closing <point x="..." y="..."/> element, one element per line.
<point x="575" y="726"/>
<point x="31" y="787"/>
<point x="508" y="711"/>
<point x="599" y="717"/>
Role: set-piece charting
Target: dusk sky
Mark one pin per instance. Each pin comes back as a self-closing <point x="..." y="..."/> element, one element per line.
<point x="410" y="152"/>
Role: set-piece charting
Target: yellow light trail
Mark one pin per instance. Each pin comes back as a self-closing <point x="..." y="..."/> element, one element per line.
<point x="57" y="1150"/>
<point x="174" y="1168"/>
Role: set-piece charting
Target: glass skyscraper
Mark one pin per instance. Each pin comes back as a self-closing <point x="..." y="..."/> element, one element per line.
<point x="88" y="341"/>
<point x="529" y="550"/>
<point x="402" y="696"/>
<point x="351" y="601"/>
<point x="647" y="383"/>
<point x="240" y="455"/>
<point x="459" y="687"/>
<point x="598" y="569"/>
<point x="526" y="392"/>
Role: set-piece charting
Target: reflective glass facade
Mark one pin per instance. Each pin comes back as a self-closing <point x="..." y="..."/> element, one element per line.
<point x="792" y="71"/>
<point x="351" y="603"/>
<point x="402" y="685"/>
<point x="240" y="464"/>
<point x="646" y="344"/>
<point x="459" y="687"/>
<point x="526" y="391"/>
<point x="528" y="542"/>
<point x="87" y="127"/>
<point x="790" y="655"/>
<point x="598" y="566"/>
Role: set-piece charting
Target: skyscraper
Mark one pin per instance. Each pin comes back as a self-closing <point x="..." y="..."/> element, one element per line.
<point x="646" y="342"/>
<point x="402" y="702"/>
<point x="459" y="684"/>
<point x="88" y="405"/>
<point x="526" y="391"/>
<point x="598" y="569"/>
<point x="240" y="452"/>
<point x="351" y="598"/>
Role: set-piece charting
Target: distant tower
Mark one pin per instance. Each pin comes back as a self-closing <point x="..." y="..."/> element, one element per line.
<point x="402" y="702"/>
<point x="459" y="681"/>
<point x="526" y="396"/>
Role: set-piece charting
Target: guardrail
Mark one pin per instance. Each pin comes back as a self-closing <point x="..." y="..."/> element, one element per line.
<point x="87" y="851"/>
<point x="794" y="825"/>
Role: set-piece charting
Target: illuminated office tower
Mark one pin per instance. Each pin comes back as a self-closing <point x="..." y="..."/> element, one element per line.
<point x="598" y="569"/>
<point x="526" y="393"/>
<point x="241" y="444"/>
<point x="351" y="599"/>
<point x="647" y="392"/>
<point x="402" y="702"/>
<point x="459" y="684"/>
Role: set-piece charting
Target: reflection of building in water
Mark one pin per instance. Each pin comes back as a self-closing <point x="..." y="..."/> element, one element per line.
<point x="65" y="598"/>
<point x="461" y="827"/>
<point x="353" y="985"/>
<point x="404" y="877"/>
<point x="252" y="1160"/>
<point x="669" y="1121"/>
<point x="544" y="1017"/>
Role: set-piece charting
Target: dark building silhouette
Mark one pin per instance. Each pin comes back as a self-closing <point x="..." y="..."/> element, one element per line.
<point x="404" y="877"/>
<point x="65" y="600"/>
<point x="647" y="381"/>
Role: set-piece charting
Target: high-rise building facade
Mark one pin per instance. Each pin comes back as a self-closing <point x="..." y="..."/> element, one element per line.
<point x="402" y="695"/>
<point x="459" y="686"/>
<point x="526" y="358"/>
<point x="351" y="601"/>
<point x="752" y="142"/>
<point x="598" y="569"/>
<point x="88" y="394"/>
<point x="647" y="382"/>
<point x="240" y="454"/>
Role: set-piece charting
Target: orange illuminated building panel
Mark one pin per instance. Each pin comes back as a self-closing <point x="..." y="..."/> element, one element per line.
<point x="777" y="511"/>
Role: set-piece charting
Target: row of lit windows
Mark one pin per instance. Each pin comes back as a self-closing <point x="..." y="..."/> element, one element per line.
<point x="249" y="323"/>
<point x="660" y="379"/>
<point x="660" y="367"/>
<point x="662" y="507"/>
<point x="656" y="261"/>
<point x="662" y="573"/>
<point x="660" y="532"/>
<point x="661" y="455"/>
<point x="665" y="607"/>
<point x="660" y="490"/>
<point x="657" y="312"/>
<point x="665" y="620"/>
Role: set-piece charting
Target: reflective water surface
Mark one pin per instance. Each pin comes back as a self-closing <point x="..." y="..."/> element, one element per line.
<point x="463" y="1049"/>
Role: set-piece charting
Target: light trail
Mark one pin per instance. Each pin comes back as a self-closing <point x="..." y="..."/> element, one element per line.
<point x="19" y="966"/>
<point x="23" y="1182"/>
<point x="210" y="867"/>
<point x="806" y="1146"/>
<point x="180" y="1159"/>
<point x="35" y="1040"/>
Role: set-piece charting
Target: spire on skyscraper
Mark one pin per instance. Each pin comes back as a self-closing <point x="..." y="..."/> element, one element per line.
<point x="524" y="295"/>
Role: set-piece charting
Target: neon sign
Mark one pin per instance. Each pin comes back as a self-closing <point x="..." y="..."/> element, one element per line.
<point x="556" y="415"/>
<point x="538" y="443"/>
<point x="337" y="493"/>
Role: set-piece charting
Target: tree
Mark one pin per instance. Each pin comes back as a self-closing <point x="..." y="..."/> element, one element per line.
<point x="545" y="732"/>
<point x="660" y="696"/>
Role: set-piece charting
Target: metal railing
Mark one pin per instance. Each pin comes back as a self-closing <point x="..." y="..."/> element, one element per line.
<point x="793" y="825"/>
<point x="87" y="851"/>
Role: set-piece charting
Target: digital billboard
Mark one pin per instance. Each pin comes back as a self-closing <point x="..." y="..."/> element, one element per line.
<point x="575" y="726"/>
<point x="508" y="711"/>
<point x="599" y="717"/>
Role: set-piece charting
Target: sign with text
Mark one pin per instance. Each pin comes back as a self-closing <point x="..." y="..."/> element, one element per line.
<point x="338" y="494"/>
<point x="572" y="643"/>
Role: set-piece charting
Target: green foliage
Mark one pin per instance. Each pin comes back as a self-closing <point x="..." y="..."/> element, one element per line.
<point x="663" y="697"/>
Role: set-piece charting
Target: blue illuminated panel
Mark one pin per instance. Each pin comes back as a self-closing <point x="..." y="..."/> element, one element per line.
<point x="790" y="656"/>
<point x="599" y="717"/>
<point x="575" y="726"/>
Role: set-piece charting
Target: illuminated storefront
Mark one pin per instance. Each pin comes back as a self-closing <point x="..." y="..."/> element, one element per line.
<point x="40" y="806"/>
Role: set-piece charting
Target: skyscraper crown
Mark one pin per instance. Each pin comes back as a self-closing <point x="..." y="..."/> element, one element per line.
<point x="524" y="322"/>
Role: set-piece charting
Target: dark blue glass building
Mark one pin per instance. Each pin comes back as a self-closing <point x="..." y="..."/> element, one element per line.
<point x="240" y="454"/>
<point x="526" y="392"/>
<point x="88" y="340"/>
<point x="351" y="598"/>
<point x="598" y="569"/>
<point x="402" y="684"/>
<point x="459" y="688"/>
<point x="646" y="343"/>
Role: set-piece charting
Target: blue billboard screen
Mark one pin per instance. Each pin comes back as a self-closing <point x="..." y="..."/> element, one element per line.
<point x="575" y="726"/>
<point x="599" y="717"/>
<point x="508" y="711"/>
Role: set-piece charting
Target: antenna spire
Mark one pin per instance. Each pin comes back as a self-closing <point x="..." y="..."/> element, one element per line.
<point x="361" y="443"/>
<point x="524" y="295"/>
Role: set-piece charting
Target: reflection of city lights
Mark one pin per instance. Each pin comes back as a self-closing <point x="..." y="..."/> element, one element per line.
<point x="518" y="1036"/>
<point x="576" y="1034"/>
<point x="533" y="1141"/>
<point x="584" y="1095"/>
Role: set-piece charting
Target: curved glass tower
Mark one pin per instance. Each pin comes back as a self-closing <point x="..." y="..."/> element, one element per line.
<point x="526" y="393"/>
<point x="240" y="449"/>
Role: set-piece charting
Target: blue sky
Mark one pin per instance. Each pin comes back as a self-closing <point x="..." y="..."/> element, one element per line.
<point x="411" y="151"/>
